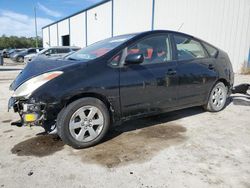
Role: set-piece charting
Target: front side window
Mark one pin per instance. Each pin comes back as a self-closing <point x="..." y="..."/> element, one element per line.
<point x="155" y="49"/>
<point x="52" y="51"/>
<point x="188" y="49"/>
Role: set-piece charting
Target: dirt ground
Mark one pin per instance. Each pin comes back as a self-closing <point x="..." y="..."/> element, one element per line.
<point x="186" y="148"/>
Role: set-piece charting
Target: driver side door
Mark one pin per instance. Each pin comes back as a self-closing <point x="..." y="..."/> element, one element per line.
<point x="151" y="86"/>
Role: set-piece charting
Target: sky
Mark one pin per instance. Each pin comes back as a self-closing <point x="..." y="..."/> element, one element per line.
<point x="17" y="16"/>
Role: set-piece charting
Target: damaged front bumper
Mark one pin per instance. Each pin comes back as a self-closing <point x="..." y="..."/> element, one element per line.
<point x="31" y="113"/>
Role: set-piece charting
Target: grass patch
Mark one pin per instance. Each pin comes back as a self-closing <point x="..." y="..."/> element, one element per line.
<point x="245" y="70"/>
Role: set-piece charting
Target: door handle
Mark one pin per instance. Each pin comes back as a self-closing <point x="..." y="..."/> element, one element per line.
<point x="211" y="66"/>
<point x="171" y="72"/>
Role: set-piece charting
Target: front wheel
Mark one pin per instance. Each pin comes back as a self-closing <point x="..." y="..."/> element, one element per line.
<point x="217" y="98"/>
<point x="83" y="123"/>
<point x="20" y="59"/>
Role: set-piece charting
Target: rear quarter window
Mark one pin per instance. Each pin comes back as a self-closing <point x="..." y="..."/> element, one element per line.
<point x="210" y="49"/>
<point x="189" y="48"/>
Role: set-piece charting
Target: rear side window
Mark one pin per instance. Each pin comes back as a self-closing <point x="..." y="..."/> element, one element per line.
<point x="188" y="48"/>
<point x="32" y="51"/>
<point x="210" y="49"/>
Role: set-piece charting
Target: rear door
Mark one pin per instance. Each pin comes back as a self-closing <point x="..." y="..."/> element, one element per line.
<point x="195" y="69"/>
<point x="152" y="85"/>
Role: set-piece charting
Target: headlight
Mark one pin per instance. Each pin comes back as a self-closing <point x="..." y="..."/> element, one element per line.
<point x="26" y="89"/>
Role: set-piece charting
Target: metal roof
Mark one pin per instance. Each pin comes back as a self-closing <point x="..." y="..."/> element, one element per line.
<point x="81" y="11"/>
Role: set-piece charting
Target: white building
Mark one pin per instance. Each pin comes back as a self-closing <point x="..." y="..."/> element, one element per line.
<point x="223" y="23"/>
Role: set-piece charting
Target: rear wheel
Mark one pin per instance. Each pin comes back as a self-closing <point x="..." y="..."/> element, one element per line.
<point x="83" y="123"/>
<point x="217" y="98"/>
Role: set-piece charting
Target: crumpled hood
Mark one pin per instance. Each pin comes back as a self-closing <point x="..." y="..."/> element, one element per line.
<point x="39" y="66"/>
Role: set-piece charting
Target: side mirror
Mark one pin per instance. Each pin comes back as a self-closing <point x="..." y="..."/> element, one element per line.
<point x="47" y="53"/>
<point x="132" y="59"/>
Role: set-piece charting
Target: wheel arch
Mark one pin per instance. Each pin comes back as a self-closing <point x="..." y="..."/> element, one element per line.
<point x="224" y="81"/>
<point x="20" y="56"/>
<point x="93" y="95"/>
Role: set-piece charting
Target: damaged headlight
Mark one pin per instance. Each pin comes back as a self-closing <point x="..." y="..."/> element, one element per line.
<point x="26" y="89"/>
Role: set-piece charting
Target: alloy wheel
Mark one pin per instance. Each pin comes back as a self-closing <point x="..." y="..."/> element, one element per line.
<point x="219" y="96"/>
<point x="86" y="123"/>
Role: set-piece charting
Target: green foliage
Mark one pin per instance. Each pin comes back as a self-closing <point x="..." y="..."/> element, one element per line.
<point x="19" y="42"/>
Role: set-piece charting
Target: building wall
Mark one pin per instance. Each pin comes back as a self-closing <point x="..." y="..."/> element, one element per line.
<point x="224" y="23"/>
<point x="46" y="40"/>
<point x="78" y="30"/>
<point x="129" y="17"/>
<point x="63" y="29"/>
<point x="53" y="35"/>
<point x="99" y="23"/>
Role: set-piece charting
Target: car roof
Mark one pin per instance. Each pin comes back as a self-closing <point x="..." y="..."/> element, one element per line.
<point x="166" y="31"/>
<point x="145" y="33"/>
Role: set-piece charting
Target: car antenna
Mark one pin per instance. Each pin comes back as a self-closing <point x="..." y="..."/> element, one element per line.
<point x="180" y="26"/>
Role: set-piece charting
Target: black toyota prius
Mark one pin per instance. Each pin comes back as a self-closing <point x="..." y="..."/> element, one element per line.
<point x="117" y="79"/>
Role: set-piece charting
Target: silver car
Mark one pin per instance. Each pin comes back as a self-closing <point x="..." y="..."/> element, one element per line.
<point x="52" y="52"/>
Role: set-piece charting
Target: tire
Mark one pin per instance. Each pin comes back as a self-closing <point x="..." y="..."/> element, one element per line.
<point x="217" y="98"/>
<point x="77" y="121"/>
<point x="20" y="59"/>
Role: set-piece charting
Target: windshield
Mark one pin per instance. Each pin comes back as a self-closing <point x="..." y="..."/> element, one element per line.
<point x="99" y="49"/>
<point x="42" y="51"/>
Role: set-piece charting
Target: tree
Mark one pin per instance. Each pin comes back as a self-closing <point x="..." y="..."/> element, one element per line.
<point x="19" y="42"/>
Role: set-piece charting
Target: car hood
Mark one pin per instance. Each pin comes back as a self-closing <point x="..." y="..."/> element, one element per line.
<point x="39" y="66"/>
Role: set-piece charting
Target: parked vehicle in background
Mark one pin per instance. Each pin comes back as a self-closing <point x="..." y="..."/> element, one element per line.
<point x="6" y="53"/>
<point x="19" y="56"/>
<point x="119" y="79"/>
<point x="52" y="52"/>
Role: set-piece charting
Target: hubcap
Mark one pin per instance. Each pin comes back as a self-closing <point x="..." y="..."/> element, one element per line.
<point x="218" y="97"/>
<point x="86" y="123"/>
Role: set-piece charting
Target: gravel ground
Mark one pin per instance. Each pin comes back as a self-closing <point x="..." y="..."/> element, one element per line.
<point x="186" y="148"/>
